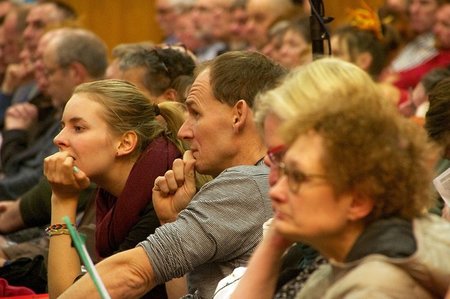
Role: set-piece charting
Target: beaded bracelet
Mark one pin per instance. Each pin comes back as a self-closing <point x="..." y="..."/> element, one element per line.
<point x="57" y="229"/>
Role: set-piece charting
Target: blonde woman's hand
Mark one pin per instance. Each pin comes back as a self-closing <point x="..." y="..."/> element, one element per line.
<point x="66" y="179"/>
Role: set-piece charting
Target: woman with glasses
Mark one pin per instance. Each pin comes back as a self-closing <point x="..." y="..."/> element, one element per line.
<point x="354" y="184"/>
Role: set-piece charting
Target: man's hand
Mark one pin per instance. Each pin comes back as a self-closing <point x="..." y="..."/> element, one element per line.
<point x="21" y="116"/>
<point x="173" y="191"/>
<point x="16" y="74"/>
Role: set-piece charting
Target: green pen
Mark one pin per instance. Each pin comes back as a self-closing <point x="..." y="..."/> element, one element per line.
<point x="82" y="252"/>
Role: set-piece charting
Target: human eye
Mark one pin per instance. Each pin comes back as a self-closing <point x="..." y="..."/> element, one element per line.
<point x="78" y="129"/>
<point x="193" y="112"/>
<point x="298" y="176"/>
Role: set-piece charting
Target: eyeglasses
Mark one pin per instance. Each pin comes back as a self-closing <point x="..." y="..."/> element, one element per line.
<point x="295" y="177"/>
<point x="276" y="154"/>
<point x="50" y="71"/>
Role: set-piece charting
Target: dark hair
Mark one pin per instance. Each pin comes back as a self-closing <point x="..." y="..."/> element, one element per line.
<point x="164" y="67"/>
<point x="83" y="46"/>
<point x="301" y="26"/>
<point x="437" y="118"/>
<point x="359" y="41"/>
<point x="241" y="75"/>
<point x="433" y="77"/>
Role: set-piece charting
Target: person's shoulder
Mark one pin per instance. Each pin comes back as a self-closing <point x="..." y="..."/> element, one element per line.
<point x="375" y="279"/>
<point x="246" y="170"/>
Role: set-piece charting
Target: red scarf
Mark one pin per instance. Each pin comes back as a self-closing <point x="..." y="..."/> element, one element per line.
<point x="115" y="217"/>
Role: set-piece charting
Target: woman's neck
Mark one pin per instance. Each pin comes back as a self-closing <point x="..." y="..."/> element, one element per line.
<point x="337" y="247"/>
<point x="114" y="182"/>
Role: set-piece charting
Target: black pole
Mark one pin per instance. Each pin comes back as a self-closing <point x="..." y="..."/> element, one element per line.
<point x="317" y="30"/>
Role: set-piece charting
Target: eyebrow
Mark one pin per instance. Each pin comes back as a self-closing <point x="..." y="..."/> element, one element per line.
<point x="73" y="120"/>
<point x="190" y="103"/>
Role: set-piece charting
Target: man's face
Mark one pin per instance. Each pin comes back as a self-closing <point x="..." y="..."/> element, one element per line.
<point x="165" y="16"/>
<point x="260" y="18"/>
<point x="208" y="128"/>
<point x="202" y="15"/>
<point x="59" y="78"/>
<point x="238" y="24"/>
<point x="38" y="18"/>
<point x="422" y="15"/>
<point x="442" y="27"/>
<point x="12" y="39"/>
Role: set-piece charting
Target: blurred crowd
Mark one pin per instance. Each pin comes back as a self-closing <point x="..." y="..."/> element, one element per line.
<point x="134" y="144"/>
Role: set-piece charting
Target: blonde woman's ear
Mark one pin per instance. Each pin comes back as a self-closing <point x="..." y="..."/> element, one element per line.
<point x="127" y="143"/>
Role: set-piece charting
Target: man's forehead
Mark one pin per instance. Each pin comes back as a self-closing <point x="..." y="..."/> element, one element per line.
<point x="201" y="88"/>
<point x="42" y="13"/>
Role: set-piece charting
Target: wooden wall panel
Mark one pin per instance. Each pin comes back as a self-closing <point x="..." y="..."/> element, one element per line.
<point x="121" y="21"/>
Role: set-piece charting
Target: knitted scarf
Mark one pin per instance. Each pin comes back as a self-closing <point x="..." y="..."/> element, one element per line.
<point x="116" y="216"/>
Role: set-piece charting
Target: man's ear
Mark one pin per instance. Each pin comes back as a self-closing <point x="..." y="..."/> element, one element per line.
<point x="79" y="72"/>
<point x="240" y="114"/>
<point x="127" y="143"/>
<point x="360" y="207"/>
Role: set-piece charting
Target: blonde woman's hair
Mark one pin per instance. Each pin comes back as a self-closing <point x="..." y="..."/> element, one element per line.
<point x="369" y="148"/>
<point x="127" y="109"/>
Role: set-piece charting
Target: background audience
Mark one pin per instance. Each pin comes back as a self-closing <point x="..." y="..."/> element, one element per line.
<point x="402" y="46"/>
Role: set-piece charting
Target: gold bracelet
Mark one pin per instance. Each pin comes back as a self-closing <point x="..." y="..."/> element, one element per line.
<point x="58" y="232"/>
<point x="57" y="229"/>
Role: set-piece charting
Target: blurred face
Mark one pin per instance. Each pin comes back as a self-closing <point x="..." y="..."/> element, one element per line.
<point x="209" y="133"/>
<point x="340" y="49"/>
<point x="238" y="24"/>
<point x="294" y="50"/>
<point x="165" y="15"/>
<point x="38" y="18"/>
<point x="186" y="32"/>
<point x="203" y="18"/>
<point x="308" y="210"/>
<point x="12" y="39"/>
<point x="39" y="67"/>
<point x="212" y="18"/>
<point x="87" y="138"/>
<point x="60" y="80"/>
<point x="422" y="15"/>
<point x="260" y="18"/>
<point x="418" y="95"/>
<point x="442" y="27"/>
<point x="275" y="146"/>
<point x="272" y="47"/>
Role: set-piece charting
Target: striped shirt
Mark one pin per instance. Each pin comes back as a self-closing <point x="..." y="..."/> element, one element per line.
<point x="216" y="233"/>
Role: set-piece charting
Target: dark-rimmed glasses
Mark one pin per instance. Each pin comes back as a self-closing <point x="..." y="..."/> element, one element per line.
<point x="295" y="177"/>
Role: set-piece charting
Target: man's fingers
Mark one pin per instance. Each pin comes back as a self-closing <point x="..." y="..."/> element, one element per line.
<point x="171" y="181"/>
<point x="189" y="167"/>
<point x="178" y="171"/>
<point x="161" y="185"/>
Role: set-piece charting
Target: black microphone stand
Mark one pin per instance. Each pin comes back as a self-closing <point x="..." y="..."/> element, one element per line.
<point x="319" y="32"/>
